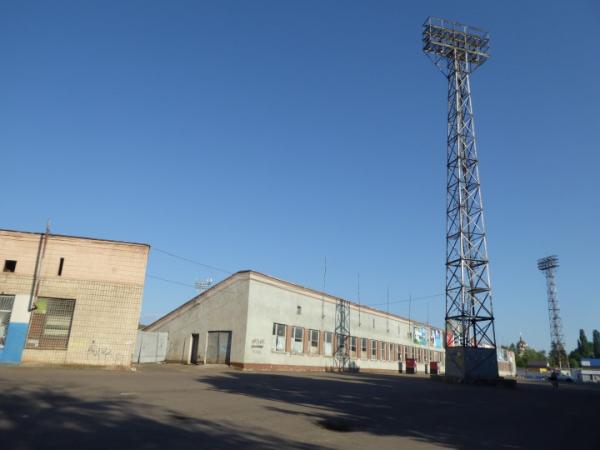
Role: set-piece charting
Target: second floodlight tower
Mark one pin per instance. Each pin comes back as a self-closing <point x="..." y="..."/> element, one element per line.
<point x="548" y="265"/>
<point x="457" y="50"/>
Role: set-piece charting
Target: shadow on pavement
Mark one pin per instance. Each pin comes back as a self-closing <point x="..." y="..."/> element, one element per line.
<point x="42" y="419"/>
<point x="457" y="416"/>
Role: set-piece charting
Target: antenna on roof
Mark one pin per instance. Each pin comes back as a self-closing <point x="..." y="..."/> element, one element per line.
<point x="409" y="308"/>
<point x="324" y="283"/>
<point x="387" y="306"/>
<point x="203" y="285"/>
<point x="358" y="295"/>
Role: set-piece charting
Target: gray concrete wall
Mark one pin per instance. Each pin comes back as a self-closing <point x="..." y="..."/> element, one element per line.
<point x="222" y="308"/>
<point x="272" y="301"/>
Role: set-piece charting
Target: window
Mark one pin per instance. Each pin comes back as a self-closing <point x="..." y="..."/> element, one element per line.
<point x="50" y="325"/>
<point x="373" y="349"/>
<point x="278" y="337"/>
<point x="373" y="323"/>
<point x="363" y="348"/>
<point x="297" y="339"/>
<point x="298" y="310"/>
<point x="353" y="343"/>
<point x="341" y="343"/>
<point x="10" y="265"/>
<point x="60" y="266"/>
<point x="6" y="305"/>
<point x="328" y="344"/>
<point x="314" y="342"/>
<point x="382" y="350"/>
<point x="400" y="352"/>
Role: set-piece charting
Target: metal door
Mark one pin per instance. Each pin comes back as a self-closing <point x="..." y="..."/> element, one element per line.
<point x="212" y="349"/>
<point x="224" y="346"/>
<point x="219" y="347"/>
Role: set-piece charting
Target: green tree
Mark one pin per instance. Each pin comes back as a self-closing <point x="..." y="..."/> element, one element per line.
<point x="554" y="355"/>
<point x="596" y="343"/>
<point x="528" y="355"/>
<point x="574" y="359"/>
<point x="584" y="347"/>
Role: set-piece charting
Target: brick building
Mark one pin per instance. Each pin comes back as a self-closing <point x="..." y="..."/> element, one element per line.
<point x="69" y="300"/>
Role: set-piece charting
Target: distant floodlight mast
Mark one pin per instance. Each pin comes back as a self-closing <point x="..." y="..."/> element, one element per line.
<point x="548" y="265"/>
<point x="457" y="50"/>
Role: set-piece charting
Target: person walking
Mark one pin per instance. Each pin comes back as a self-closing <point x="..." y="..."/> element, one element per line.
<point x="554" y="379"/>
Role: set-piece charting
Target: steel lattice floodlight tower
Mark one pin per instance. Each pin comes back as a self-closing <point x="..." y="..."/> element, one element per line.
<point x="548" y="265"/>
<point x="457" y="50"/>
<point x="342" y="334"/>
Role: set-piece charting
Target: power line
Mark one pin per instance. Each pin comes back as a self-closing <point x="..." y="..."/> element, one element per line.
<point x="407" y="300"/>
<point x="183" y="258"/>
<point x="166" y="280"/>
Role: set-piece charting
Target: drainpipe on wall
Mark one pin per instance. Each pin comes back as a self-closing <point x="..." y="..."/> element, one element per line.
<point x="38" y="267"/>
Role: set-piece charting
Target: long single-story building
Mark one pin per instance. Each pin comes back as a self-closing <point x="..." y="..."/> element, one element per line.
<point x="255" y="321"/>
<point x="69" y="299"/>
<point x="589" y="371"/>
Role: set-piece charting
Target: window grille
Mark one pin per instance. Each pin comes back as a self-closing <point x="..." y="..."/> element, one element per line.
<point x="6" y="305"/>
<point x="50" y="325"/>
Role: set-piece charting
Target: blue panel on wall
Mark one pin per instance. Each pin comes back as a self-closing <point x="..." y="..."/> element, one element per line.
<point x="15" y="343"/>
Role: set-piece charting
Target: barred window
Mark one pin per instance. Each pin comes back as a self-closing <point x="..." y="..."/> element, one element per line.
<point x="6" y="305"/>
<point x="50" y="325"/>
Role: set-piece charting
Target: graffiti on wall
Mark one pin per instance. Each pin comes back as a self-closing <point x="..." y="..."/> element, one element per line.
<point x="104" y="353"/>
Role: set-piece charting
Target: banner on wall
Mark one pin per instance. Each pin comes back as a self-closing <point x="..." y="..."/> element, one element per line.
<point x="435" y="339"/>
<point x="450" y="339"/>
<point x="420" y="335"/>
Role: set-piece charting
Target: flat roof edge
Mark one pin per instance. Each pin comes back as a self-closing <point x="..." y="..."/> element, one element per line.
<point x="76" y="237"/>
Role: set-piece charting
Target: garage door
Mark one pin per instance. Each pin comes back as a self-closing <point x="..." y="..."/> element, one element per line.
<point x="219" y="347"/>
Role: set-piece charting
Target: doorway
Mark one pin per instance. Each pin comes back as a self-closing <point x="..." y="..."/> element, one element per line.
<point x="194" y="354"/>
<point x="218" y="348"/>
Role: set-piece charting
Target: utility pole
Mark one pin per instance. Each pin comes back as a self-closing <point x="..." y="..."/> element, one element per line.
<point x="548" y="265"/>
<point x="457" y="50"/>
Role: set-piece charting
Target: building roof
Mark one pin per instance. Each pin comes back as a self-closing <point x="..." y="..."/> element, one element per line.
<point x="590" y="362"/>
<point x="314" y="292"/>
<point x="74" y="237"/>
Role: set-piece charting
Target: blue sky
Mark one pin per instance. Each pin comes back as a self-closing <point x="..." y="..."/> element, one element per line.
<point x="268" y="135"/>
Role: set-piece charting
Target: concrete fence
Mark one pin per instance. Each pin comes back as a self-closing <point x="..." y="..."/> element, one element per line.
<point x="150" y="347"/>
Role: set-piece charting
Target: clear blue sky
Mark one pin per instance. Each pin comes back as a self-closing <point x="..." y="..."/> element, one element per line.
<point x="270" y="134"/>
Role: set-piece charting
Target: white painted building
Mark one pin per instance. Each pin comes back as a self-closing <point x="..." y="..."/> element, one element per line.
<point x="255" y="321"/>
